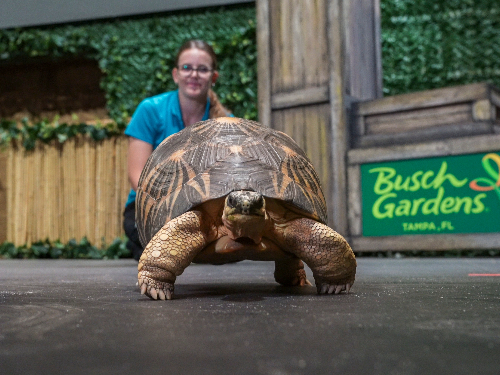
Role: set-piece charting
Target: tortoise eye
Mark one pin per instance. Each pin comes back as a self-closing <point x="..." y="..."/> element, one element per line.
<point x="259" y="203"/>
<point x="231" y="202"/>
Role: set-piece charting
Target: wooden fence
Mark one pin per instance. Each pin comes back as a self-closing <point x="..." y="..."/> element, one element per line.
<point x="64" y="191"/>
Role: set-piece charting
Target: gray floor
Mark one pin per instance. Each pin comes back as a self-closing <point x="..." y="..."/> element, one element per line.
<point x="403" y="316"/>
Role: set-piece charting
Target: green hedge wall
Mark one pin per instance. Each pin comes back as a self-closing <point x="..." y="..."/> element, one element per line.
<point x="437" y="43"/>
<point x="425" y="44"/>
<point x="137" y="55"/>
<point x="73" y="249"/>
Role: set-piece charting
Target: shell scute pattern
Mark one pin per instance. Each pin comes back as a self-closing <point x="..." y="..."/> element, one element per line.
<point x="210" y="159"/>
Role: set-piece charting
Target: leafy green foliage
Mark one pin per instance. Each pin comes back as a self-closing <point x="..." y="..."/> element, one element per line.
<point x="429" y="44"/>
<point x="71" y="250"/>
<point x="28" y="134"/>
<point x="425" y="44"/>
<point x="137" y="56"/>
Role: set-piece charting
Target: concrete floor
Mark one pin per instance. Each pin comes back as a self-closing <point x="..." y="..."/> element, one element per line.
<point x="403" y="316"/>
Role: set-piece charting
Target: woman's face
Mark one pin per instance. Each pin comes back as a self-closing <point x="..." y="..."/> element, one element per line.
<point x="194" y="84"/>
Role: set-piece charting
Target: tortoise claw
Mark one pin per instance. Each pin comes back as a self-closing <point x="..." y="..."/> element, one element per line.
<point x="153" y="293"/>
<point x="156" y="290"/>
<point x="161" y="295"/>
<point x="326" y="288"/>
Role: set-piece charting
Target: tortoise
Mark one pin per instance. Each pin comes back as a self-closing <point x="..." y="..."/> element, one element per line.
<point x="230" y="189"/>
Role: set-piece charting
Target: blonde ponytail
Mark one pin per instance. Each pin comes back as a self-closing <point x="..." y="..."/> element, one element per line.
<point x="216" y="108"/>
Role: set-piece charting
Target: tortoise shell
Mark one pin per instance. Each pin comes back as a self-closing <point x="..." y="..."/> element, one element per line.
<point x="209" y="159"/>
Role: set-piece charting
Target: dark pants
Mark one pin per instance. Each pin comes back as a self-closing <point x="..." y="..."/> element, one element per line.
<point x="133" y="243"/>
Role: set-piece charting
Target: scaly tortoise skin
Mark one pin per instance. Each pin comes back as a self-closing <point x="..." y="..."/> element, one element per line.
<point x="229" y="189"/>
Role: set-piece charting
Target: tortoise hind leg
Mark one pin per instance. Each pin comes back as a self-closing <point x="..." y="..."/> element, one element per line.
<point x="290" y="272"/>
<point x="168" y="253"/>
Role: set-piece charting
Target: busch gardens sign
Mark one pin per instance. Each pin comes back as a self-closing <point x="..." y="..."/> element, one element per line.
<point x="452" y="194"/>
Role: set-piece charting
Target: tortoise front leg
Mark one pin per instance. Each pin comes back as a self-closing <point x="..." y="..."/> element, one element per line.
<point x="326" y="252"/>
<point x="168" y="253"/>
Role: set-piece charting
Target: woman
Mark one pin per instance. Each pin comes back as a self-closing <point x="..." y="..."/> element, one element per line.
<point x="160" y="116"/>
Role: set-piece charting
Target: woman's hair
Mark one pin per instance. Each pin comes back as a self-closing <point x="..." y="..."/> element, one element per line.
<point x="198" y="44"/>
<point x="216" y="108"/>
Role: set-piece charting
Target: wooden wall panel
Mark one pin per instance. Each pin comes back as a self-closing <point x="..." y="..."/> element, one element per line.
<point x="309" y="126"/>
<point x="315" y="58"/>
<point x="298" y="45"/>
<point x="363" y="56"/>
<point x="427" y="115"/>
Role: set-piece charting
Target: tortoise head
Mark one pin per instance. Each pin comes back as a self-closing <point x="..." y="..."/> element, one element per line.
<point x="245" y="214"/>
<point x="244" y="202"/>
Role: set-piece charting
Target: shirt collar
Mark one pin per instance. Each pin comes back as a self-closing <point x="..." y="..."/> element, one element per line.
<point x="178" y="112"/>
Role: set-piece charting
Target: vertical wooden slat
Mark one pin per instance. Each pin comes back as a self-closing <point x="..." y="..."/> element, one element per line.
<point x="10" y="193"/>
<point x="29" y="187"/>
<point x="377" y="36"/>
<point x="354" y="200"/>
<point x="299" y="126"/>
<point x="288" y="124"/>
<point x="4" y="161"/>
<point x="337" y="195"/>
<point x="277" y="45"/>
<point x="38" y="205"/>
<point x="82" y="191"/>
<point x="100" y="198"/>
<point x="58" y="209"/>
<point x="51" y="191"/>
<point x="13" y="197"/>
<point x="296" y="41"/>
<point x="314" y="19"/>
<point x="317" y="141"/>
<point x="264" y="62"/>
<point x="93" y="177"/>
<point x="125" y="184"/>
<point x="70" y="190"/>
<point x="362" y="55"/>
<point x="89" y="184"/>
<point x="117" y="177"/>
<point x="64" y="196"/>
<point x="122" y="184"/>
<point x="112" y="208"/>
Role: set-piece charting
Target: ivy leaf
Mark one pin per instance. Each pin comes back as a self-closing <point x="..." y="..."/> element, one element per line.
<point x="62" y="137"/>
<point x="99" y="134"/>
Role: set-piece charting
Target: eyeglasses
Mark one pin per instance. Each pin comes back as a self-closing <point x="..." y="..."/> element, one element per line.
<point x="186" y="70"/>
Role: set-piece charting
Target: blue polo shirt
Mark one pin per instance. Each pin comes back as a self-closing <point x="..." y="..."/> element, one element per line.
<point x="157" y="118"/>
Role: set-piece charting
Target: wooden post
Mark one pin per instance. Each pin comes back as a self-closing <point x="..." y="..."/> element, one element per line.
<point x="317" y="57"/>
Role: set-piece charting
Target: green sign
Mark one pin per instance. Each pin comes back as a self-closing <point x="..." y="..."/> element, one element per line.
<point x="451" y="194"/>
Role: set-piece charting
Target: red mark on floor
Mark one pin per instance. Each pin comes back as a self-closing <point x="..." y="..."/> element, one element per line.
<point x="485" y="274"/>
